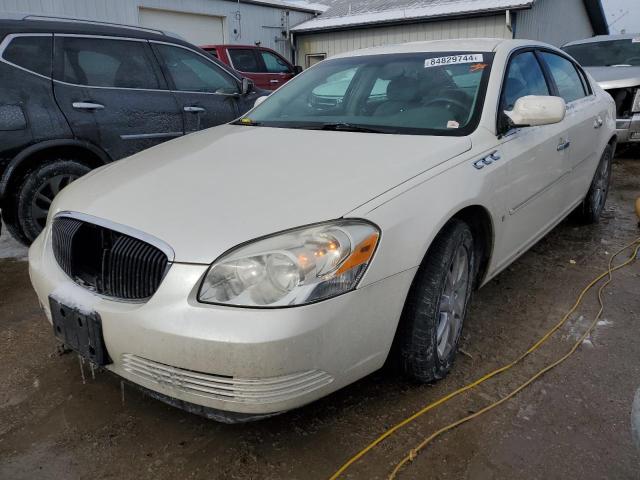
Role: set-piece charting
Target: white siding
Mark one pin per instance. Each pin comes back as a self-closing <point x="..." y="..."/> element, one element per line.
<point x="257" y="23"/>
<point x="332" y="43"/>
<point x="554" y="21"/>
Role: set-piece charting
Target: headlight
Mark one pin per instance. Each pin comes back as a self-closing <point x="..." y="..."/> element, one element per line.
<point x="296" y="267"/>
<point x="636" y="102"/>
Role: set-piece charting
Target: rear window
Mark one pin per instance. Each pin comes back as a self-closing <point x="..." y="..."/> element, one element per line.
<point x="105" y="63"/>
<point x="244" y="60"/>
<point x="30" y="52"/>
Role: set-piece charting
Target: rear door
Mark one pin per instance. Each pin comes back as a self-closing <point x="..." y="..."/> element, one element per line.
<point x="113" y="94"/>
<point x="205" y="92"/>
<point x="585" y="117"/>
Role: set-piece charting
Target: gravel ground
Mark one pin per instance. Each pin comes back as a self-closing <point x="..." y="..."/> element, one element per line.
<point x="575" y="422"/>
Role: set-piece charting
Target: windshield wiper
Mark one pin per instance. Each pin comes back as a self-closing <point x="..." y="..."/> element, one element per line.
<point x="351" y="127"/>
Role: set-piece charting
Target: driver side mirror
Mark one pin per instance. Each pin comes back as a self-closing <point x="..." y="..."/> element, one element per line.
<point x="247" y="86"/>
<point x="297" y="70"/>
<point x="533" y="111"/>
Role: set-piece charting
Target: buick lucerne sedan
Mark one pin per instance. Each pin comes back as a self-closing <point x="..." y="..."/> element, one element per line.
<point x="255" y="267"/>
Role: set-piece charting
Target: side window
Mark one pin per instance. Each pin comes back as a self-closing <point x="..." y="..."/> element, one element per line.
<point x="244" y="60"/>
<point x="192" y="72"/>
<point x="564" y="73"/>
<point x="105" y="63"/>
<point x="31" y="52"/>
<point x="524" y="78"/>
<point x="274" y="63"/>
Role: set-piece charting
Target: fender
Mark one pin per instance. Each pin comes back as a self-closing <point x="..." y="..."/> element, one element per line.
<point x="41" y="146"/>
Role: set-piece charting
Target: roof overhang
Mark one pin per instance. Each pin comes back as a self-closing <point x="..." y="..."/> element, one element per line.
<point x="300" y="6"/>
<point x="412" y="15"/>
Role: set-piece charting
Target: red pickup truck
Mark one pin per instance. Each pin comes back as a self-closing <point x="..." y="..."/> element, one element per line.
<point x="267" y="68"/>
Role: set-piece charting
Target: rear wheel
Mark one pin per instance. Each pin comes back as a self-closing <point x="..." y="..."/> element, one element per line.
<point x="437" y="305"/>
<point x="35" y="195"/>
<point x="593" y="204"/>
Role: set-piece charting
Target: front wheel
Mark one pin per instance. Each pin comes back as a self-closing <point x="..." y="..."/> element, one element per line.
<point x="437" y="305"/>
<point x="38" y="190"/>
<point x="593" y="204"/>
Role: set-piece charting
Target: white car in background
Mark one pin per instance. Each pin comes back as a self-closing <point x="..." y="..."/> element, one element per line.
<point x="255" y="267"/>
<point x="614" y="62"/>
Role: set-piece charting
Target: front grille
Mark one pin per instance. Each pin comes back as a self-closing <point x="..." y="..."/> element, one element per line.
<point x="107" y="262"/>
<point x="256" y="391"/>
<point x="624" y="101"/>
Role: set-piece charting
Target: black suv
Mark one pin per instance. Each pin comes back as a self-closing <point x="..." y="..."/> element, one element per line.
<point x="77" y="95"/>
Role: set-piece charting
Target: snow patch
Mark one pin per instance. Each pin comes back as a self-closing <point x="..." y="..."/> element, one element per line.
<point x="10" y="248"/>
<point x="75" y="297"/>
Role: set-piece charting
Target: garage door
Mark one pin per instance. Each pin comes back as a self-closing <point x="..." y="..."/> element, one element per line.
<point x="198" y="29"/>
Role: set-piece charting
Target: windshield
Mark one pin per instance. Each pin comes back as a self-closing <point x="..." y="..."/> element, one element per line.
<point x="428" y="93"/>
<point x="607" y="54"/>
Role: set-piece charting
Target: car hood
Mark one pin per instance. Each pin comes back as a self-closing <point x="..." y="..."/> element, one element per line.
<point x="210" y="191"/>
<point x="615" y="77"/>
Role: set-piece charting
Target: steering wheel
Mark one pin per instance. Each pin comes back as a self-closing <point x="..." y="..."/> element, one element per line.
<point x="458" y="107"/>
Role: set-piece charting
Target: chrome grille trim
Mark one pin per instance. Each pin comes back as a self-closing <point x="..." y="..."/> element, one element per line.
<point x="247" y="391"/>
<point x="106" y="261"/>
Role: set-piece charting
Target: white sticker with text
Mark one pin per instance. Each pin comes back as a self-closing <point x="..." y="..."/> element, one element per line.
<point x="453" y="60"/>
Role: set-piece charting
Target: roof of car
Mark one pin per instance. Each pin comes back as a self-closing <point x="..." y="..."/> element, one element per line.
<point x="459" y="45"/>
<point x="8" y="26"/>
<point x="606" y="38"/>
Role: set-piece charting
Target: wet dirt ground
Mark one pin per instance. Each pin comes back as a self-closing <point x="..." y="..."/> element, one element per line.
<point x="575" y="422"/>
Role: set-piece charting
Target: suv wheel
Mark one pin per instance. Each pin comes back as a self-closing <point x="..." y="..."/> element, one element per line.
<point x="38" y="190"/>
<point x="437" y="305"/>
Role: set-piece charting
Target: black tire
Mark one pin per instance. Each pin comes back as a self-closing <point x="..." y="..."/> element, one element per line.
<point x="39" y="188"/>
<point x="593" y="204"/>
<point x="420" y="354"/>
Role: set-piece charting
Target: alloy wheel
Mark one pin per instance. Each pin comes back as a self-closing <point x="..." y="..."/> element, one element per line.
<point x="453" y="303"/>
<point x="45" y="194"/>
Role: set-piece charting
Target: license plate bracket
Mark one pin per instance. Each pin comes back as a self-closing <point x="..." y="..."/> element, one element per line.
<point x="80" y="331"/>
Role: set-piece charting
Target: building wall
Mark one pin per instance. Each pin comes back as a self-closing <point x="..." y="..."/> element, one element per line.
<point x="553" y="21"/>
<point x="332" y="43"/>
<point x="257" y="23"/>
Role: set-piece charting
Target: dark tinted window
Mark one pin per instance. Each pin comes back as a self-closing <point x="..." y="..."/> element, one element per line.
<point x="244" y="60"/>
<point x="525" y="77"/>
<point x="192" y="72"/>
<point x="608" y="53"/>
<point x="32" y="53"/>
<point x="105" y="63"/>
<point x="274" y="63"/>
<point x="566" y="76"/>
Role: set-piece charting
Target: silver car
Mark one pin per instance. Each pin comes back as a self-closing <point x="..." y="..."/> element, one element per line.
<point x="614" y="62"/>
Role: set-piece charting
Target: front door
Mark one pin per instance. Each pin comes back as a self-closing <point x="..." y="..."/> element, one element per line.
<point x="536" y="164"/>
<point x="206" y="94"/>
<point x="268" y="70"/>
<point x="113" y="94"/>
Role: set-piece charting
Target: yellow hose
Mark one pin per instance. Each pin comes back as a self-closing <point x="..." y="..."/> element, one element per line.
<point x="492" y="374"/>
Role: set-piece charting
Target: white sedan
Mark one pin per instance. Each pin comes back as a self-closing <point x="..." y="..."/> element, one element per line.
<point x="255" y="267"/>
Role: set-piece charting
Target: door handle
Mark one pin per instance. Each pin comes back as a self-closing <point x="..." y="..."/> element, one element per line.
<point x="274" y="81"/>
<point x="194" y="109"/>
<point x="564" y="145"/>
<point x="87" y="106"/>
<point x="598" y="123"/>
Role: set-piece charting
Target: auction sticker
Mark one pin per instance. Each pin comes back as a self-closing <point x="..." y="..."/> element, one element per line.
<point x="453" y="60"/>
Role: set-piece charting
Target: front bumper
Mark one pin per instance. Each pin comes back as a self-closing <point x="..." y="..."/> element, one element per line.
<point x="628" y="130"/>
<point x="247" y="361"/>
